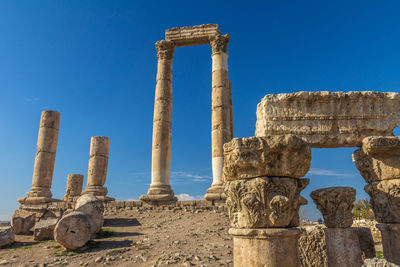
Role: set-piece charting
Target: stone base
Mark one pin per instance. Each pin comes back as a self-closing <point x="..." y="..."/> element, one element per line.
<point x="99" y="192"/>
<point x="390" y="241"/>
<point x="36" y="200"/>
<point x="272" y="247"/>
<point x="343" y="247"/>
<point x="159" y="194"/>
<point x="216" y="192"/>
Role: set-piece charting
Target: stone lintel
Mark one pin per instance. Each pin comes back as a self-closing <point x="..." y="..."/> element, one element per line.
<point x="192" y="35"/>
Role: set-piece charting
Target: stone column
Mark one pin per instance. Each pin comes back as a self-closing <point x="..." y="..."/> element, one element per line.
<point x="342" y="243"/>
<point x="44" y="159"/>
<point x="378" y="161"/>
<point x="160" y="189"/>
<point x="74" y="187"/>
<point x="221" y="128"/>
<point x="97" y="170"/>
<point x="263" y="198"/>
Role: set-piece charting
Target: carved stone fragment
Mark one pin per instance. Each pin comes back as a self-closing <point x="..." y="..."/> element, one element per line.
<point x="283" y="155"/>
<point x="385" y="200"/>
<point x="335" y="204"/>
<point x="312" y="246"/>
<point x="329" y="119"/>
<point x="379" y="158"/>
<point x="192" y="35"/>
<point x="22" y="221"/>
<point x="264" y="201"/>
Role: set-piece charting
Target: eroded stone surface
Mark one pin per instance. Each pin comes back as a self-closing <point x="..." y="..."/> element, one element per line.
<point x="335" y="204"/>
<point x="312" y="246"/>
<point x="390" y="241"/>
<point x="385" y="200"/>
<point x="74" y="187"/>
<point x="192" y="35"/>
<point x="44" y="229"/>
<point x="22" y="221"/>
<point x="367" y="244"/>
<point x="284" y="155"/>
<point x="7" y="236"/>
<point x="94" y="208"/>
<point x="329" y="119"/>
<point x="264" y="201"/>
<point x="379" y="158"/>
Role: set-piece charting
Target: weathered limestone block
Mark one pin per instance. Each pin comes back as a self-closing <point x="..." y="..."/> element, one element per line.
<point x="74" y="187"/>
<point x="192" y="35"/>
<point x="44" y="229"/>
<point x="7" y="236"/>
<point x="379" y="158"/>
<point x="283" y="155"/>
<point x="22" y="221"/>
<point x="329" y="119"/>
<point x="94" y="208"/>
<point x="376" y="262"/>
<point x="343" y="247"/>
<point x="74" y="230"/>
<point x="335" y="204"/>
<point x="390" y="241"/>
<point x="312" y="247"/>
<point x="385" y="200"/>
<point x="264" y="201"/>
<point x="367" y="244"/>
<point x="265" y="247"/>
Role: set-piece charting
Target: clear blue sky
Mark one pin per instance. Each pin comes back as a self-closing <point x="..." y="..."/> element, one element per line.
<point x="95" y="62"/>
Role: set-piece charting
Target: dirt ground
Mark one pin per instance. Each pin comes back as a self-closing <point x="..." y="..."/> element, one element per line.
<point x="137" y="238"/>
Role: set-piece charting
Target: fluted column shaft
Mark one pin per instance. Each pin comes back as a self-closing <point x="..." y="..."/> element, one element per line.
<point x="45" y="158"/>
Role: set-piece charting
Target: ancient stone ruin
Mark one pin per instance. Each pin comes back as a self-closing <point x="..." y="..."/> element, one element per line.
<point x="222" y="117"/>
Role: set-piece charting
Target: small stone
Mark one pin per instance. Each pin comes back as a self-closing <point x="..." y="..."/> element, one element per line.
<point x="3" y="262"/>
<point x="98" y="259"/>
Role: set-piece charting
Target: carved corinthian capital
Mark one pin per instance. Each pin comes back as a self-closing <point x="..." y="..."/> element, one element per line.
<point x="165" y="49"/>
<point x="264" y="201"/>
<point x="280" y="155"/>
<point x="335" y="204"/>
<point x="219" y="43"/>
<point x="385" y="200"/>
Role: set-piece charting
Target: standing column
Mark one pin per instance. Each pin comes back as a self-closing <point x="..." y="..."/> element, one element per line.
<point x="221" y="128"/>
<point x="74" y="187"/>
<point x="97" y="170"/>
<point x="44" y="159"/>
<point x="160" y="189"/>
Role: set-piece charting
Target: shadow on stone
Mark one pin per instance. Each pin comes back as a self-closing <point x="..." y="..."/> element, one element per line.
<point x="121" y="222"/>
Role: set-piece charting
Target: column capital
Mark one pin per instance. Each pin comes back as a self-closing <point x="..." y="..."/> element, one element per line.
<point x="219" y="43"/>
<point x="165" y="49"/>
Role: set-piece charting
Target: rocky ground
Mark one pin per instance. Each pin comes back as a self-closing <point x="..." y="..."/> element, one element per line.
<point x="137" y="238"/>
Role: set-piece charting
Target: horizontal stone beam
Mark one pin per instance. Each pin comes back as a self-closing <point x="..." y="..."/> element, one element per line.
<point x="192" y="35"/>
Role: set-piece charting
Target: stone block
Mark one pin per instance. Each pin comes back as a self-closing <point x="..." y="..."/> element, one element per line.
<point x="192" y="35"/>
<point x="23" y="221"/>
<point x="312" y="246"/>
<point x="44" y="229"/>
<point x="329" y="119"/>
<point x="7" y="236"/>
<point x="283" y="155"/>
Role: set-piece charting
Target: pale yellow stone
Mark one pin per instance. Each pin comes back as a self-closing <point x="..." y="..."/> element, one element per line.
<point x="74" y="187"/>
<point x="329" y="119"/>
<point x="192" y="35"/>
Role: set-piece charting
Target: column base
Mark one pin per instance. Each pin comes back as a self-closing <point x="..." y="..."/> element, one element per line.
<point x="99" y="192"/>
<point x="272" y="247"/>
<point x="159" y="194"/>
<point x="215" y="192"/>
<point x="390" y="241"/>
<point x="343" y="247"/>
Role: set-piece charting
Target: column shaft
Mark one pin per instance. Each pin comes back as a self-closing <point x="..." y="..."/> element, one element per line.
<point x="44" y="159"/>
<point x="160" y="189"/>
<point x="97" y="169"/>
<point x="74" y="187"/>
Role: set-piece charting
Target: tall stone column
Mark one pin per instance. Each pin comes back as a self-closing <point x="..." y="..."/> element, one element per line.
<point x="263" y="188"/>
<point x="160" y="189"/>
<point x="342" y="243"/>
<point x="221" y="128"/>
<point x="44" y="159"/>
<point x="74" y="187"/>
<point x="97" y="170"/>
